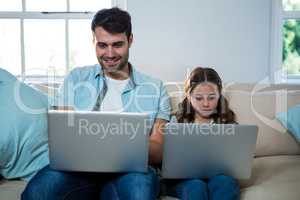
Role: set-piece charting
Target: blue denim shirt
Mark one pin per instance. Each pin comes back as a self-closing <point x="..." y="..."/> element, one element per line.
<point x="85" y="87"/>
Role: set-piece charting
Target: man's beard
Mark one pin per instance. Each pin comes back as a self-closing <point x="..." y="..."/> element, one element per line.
<point x="117" y="68"/>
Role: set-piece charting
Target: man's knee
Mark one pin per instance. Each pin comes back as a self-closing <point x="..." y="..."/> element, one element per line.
<point x="139" y="185"/>
<point x="44" y="184"/>
<point x="222" y="180"/>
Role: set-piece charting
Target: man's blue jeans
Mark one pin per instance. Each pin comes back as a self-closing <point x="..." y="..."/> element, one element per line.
<point x="216" y="188"/>
<point x="50" y="184"/>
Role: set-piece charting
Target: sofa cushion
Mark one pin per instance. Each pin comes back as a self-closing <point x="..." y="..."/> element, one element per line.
<point x="273" y="177"/>
<point x="11" y="190"/>
<point x="260" y="109"/>
<point x="23" y="141"/>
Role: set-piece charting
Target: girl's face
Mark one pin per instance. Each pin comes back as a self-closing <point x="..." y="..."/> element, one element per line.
<point x="204" y="99"/>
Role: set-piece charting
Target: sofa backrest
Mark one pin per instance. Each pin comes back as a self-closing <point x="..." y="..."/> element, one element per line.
<point x="253" y="104"/>
<point x="257" y="104"/>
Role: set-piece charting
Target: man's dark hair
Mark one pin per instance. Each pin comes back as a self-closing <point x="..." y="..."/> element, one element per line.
<point x="113" y="20"/>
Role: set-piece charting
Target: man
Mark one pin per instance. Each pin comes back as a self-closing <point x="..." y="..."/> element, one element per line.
<point x="113" y="85"/>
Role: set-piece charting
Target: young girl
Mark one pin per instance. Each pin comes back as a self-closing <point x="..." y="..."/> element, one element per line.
<point x="204" y="103"/>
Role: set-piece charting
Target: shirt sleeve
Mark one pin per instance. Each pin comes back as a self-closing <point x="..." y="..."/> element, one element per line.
<point x="164" y="109"/>
<point x="65" y="94"/>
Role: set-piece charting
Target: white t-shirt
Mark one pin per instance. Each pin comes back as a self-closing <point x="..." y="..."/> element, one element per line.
<point x="112" y="101"/>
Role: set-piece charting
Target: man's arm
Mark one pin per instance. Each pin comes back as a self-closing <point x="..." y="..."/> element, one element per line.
<point x="156" y="142"/>
<point x="64" y="96"/>
<point x="156" y="137"/>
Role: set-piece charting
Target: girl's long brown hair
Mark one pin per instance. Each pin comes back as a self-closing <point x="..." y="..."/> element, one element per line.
<point x="186" y="112"/>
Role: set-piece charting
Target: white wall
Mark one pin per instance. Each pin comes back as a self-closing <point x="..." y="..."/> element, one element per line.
<point x="172" y="36"/>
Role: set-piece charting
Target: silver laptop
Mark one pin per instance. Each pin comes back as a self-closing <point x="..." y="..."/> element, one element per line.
<point x="98" y="142"/>
<point x="202" y="151"/>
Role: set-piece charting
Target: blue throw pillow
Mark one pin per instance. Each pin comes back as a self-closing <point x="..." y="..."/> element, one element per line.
<point x="291" y="120"/>
<point x="23" y="129"/>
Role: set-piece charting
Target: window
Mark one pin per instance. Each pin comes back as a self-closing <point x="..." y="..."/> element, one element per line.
<point x="48" y="38"/>
<point x="285" y="48"/>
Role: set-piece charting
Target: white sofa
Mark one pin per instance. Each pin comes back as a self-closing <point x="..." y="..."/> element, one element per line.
<point x="276" y="167"/>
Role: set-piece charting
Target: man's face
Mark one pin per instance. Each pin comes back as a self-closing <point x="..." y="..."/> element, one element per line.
<point x="112" y="50"/>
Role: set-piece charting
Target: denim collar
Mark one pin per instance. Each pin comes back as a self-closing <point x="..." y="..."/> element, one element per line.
<point x="132" y="77"/>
